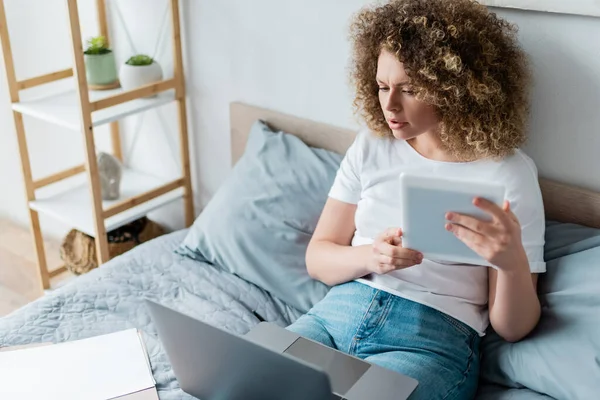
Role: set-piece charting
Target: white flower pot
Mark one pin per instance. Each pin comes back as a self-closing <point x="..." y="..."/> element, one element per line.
<point x="134" y="76"/>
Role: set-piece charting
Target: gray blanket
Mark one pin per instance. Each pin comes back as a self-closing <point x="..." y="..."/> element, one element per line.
<point x="110" y="299"/>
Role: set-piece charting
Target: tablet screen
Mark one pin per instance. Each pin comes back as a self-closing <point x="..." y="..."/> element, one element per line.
<point x="425" y="202"/>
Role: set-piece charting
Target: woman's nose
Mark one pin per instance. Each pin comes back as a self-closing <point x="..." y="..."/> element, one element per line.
<point x="393" y="102"/>
<point x="393" y="105"/>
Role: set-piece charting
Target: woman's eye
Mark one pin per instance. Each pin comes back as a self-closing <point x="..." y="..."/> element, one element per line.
<point x="409" y="92"/>
<point x="383" y="89"/>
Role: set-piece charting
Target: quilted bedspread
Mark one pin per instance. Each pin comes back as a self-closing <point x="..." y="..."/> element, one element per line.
<point x="110" y="299"/>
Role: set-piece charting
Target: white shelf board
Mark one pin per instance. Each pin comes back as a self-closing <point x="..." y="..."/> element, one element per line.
<point x="73" y="206"/>
<point x="63" y="108"/>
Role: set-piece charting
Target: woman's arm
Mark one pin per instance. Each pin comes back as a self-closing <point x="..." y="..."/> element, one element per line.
<point x="514" y="306"/>
<point x="513" y="302"/>
<point x="331" y="259"/>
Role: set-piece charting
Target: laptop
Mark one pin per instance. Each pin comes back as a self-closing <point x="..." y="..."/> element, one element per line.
<point x="268" y="363"/>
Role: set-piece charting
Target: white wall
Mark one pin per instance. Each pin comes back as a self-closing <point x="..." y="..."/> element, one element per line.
<point x="291" y="56"/>
<point x="565" y="123"/>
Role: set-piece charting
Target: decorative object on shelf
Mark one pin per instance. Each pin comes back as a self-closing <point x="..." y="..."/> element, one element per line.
<point x="78" y="250"/>
<point x="110" y="171"/>
<point x="138" y="71"/>
<point x="100" y="69"/>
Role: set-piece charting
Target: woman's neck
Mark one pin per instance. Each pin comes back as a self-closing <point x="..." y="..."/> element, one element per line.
<point x="430" y="146"/>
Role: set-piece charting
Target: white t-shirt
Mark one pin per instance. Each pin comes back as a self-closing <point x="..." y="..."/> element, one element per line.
<point x="368" y="177"/>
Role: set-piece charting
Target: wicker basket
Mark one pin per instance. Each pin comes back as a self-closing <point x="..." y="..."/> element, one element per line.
<point x="78" y="250"/>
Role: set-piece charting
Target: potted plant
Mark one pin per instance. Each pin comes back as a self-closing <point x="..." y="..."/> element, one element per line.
<point x="138" y="71"/>
<point x="100" y="68"/>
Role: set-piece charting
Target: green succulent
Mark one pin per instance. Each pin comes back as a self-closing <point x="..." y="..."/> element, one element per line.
<point x="97" y="45"/>
<point x="139" y="60"/>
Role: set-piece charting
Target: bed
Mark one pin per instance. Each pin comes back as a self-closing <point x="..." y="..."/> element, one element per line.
<point x="215" y="289"/>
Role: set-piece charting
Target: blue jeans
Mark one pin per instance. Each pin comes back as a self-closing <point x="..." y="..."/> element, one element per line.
<point x="439" y="351"/>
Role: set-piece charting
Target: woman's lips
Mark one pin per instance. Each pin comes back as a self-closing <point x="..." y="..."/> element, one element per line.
<point x="395" y="124"/>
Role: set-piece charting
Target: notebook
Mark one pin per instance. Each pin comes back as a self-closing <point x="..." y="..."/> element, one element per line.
<point x="112" y="366"/>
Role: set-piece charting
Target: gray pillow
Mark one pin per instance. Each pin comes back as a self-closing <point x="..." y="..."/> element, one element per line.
<point x="261" y="219"/>
<point x="561" y="358"/>
<point x="494" y="392"/>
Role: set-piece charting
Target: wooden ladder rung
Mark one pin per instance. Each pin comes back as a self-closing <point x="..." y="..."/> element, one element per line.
<point x="144" y="91"/>
<point x="142" y="198"/>
<point x="59" y="176"/>
<point x="57" y="271"/>
<point x="40" y="80"/>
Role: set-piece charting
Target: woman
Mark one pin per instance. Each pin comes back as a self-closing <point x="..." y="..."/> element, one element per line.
<point x="442" y="86"/>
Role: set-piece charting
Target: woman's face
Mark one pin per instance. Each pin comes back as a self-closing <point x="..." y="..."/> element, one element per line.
<point x="406" y="117"/>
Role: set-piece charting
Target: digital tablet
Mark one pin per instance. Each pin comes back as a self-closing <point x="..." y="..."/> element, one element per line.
<point x="426" y="200"/>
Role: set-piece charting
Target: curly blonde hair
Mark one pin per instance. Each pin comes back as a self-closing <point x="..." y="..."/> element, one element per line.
<point x="460" y="58"/>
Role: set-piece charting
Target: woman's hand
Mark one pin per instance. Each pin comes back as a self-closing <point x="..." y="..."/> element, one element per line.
<point x="498" y="241"/>
<point x="387" y="253"/>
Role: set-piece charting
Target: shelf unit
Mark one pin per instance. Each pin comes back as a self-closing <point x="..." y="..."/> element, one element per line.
<point x="81" y="109"/>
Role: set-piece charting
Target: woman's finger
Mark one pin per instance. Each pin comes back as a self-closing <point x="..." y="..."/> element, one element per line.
<point x="385" y="268"/>
<point x="392" y="251"/>
<point x="391" y="233"/>
<point x="388" y="264"/>
<point x="476" y="225"/>
<point x="507" y="210"/>
<point x="491" y="208"/>
<point x="405" y="263"/>
<point x="396" y="241"/>
<point x="383" y="259"/>
<point x="407" y="254"/>
<point x="467" y="236"/>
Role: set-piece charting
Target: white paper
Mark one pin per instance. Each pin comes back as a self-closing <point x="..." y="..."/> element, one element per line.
<point x="97" y="368"/>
